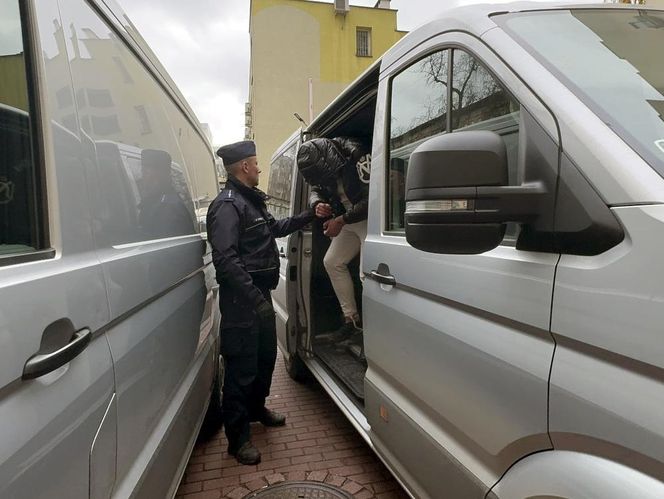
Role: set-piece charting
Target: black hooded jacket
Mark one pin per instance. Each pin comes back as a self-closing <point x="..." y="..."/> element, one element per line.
<point x="244" y="251"/>
<point x="323" y="161"/>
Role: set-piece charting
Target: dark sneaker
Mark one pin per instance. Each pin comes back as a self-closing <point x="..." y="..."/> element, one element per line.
<point x="248" y="454"/>
<point x="345" y="332"/>
<point x="271" y="418"/>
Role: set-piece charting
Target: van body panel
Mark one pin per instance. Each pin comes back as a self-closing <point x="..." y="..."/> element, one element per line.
<point x="160" y="464"/>
<point x="149" y="301"/>
<point x="153" y="258"/>
<point x="479" y="324"/>
<point x="585" y="475"/>
<point x="417" y="459"/>
<point x="51" y="421"/>
<point x="607" y="382"/>
<point x="102" y="454"/>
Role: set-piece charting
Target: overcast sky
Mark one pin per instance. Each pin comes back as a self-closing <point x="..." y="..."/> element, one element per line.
<point x="204" y="45"/>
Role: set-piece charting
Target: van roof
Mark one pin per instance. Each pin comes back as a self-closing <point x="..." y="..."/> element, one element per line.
<point x="474" y="19"/>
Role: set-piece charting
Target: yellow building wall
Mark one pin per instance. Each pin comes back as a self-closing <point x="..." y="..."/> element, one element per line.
<point x="13" y="88"/>
<point x="294" y="40"/>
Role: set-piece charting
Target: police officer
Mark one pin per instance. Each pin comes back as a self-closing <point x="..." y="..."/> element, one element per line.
<point x="244" y="251"/>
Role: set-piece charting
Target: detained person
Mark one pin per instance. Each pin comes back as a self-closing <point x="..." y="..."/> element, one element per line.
<point x="338" y="171"/>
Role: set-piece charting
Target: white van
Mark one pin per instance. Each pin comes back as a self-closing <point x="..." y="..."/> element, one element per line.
<point x="512" y="292"/>
<point x="108" y="302"/>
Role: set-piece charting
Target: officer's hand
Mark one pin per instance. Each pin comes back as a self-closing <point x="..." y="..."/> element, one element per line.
<point x="323" y="210"/>
<point x="265" y="313"/>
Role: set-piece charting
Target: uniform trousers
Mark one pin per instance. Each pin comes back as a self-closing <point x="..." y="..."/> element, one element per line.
<point x="249" y="355"/>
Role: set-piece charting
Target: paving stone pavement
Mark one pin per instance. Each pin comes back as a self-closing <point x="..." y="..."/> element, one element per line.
<point x="317" y="443"/>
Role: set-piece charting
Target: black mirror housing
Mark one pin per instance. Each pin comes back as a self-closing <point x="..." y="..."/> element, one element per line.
<point x="459" y="159"/>
<point x="443" y="211"/>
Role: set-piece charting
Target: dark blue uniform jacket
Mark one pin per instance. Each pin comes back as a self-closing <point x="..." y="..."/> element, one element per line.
<point x="244" y="250"/>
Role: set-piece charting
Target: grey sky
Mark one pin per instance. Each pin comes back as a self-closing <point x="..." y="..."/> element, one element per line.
<point x="10" y="29"/>
<point x="204" y="45"/>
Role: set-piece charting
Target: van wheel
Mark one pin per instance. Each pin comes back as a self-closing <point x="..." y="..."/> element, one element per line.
<point x="296" y="369"/>
<point x="214" y="416"/>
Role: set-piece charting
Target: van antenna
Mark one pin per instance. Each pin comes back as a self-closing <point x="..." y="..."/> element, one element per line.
<point x="299" y="118"/>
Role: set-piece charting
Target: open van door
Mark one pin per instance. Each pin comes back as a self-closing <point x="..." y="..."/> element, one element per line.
<point x="281" y="186"/>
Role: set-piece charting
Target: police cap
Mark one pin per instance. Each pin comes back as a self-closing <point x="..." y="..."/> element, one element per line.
<point x="232" y="153"/>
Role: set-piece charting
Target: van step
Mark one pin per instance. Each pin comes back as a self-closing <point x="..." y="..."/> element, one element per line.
<point x="344" y="364"/>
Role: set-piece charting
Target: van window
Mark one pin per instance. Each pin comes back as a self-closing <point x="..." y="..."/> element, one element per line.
<point x="479" y="102"/>
<point x="582" y="46"/>
<point x="418" y="111"/>
<point x="279" y="186"/>
<point x="19" y="222"/>
<point x="139" y="136"/>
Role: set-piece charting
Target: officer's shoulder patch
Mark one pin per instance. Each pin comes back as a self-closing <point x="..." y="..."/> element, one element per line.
<point x="228" y="195"/>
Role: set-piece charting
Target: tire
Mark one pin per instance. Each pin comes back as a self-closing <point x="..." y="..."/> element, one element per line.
<point x="296" y="368"/>
<point x="214" y="416"/>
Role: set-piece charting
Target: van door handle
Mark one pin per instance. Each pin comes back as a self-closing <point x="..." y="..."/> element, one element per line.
<point x="43" y="363"/>
<point x="383" y="276"/>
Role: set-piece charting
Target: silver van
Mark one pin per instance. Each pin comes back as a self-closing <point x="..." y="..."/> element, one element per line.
<point x="108" y="302"/>
<point x="511" y="293"/>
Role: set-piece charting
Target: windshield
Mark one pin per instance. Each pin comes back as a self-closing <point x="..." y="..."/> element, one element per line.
<point x="611" y="59"/>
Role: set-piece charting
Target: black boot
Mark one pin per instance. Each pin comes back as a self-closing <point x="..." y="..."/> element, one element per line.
<point x="247" y="454"/>
<point x="271" y="418"/>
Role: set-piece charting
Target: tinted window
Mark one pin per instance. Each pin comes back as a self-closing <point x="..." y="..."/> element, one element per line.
<point x="418" y="111"/>
<point x="610" y="59"/>
<point x="19" y="224"/>
<point x="279" y="186"/>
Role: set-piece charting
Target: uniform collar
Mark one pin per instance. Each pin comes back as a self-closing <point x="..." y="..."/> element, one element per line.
<point x="251" y="192"/>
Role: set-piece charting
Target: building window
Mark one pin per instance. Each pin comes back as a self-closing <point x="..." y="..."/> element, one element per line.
<point x="143" y="119"/>
<point x="99" y="97"/>
<point x="364" y="42"/>
<point x="126" y="77"/>
<point x="105" y="125"/>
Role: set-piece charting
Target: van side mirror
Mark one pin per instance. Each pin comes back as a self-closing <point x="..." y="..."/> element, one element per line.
<point x="457" y="197"/>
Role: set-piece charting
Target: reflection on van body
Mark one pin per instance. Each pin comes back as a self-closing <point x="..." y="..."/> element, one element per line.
<point x="108" y="301"/>
<point x="511" y="281"/>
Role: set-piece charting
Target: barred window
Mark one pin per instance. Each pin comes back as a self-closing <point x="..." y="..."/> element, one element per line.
<point x="364" y="42"/>
<point x="143" y="119"/>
